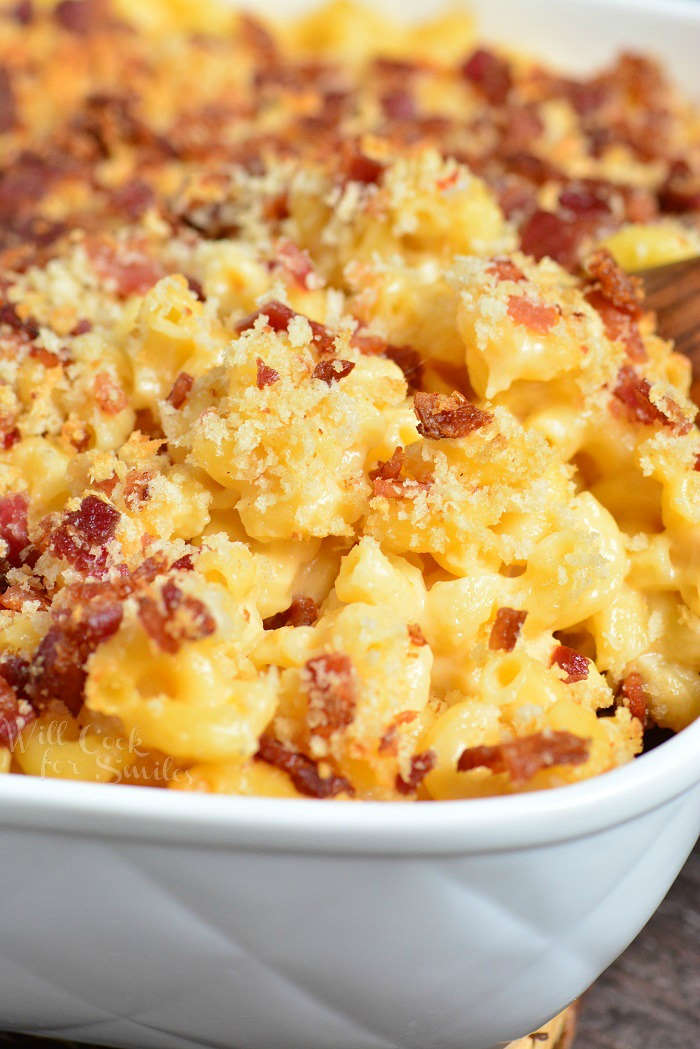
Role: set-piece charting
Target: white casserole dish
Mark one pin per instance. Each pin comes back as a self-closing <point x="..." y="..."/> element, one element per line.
<point x="146" y="918"/>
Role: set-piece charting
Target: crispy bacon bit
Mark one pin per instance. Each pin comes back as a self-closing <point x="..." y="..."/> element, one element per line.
<point x="181" y="389"/>
<point x="571" y="662"/>
<point x="137" y="488"/>
<point x="404" y="357"/>
<point x="303" y="611"/>
<point x="79" y="16"/>
<point x="258" y="38"/>
<point x="329" y="682"/>
<point x="58" y="667"/>
<point x="10" y="317"/>
<point x="387" y="480"/>
<point x="178" y="618"/>
<point x="632" y="392"/>
<point x="332" y="370"/>
<point x="127" y="268"/>
<point x="302" y="770"/>
<point x="109" y="395"/>
<point x="183" y="564"/>
<point x="545" y="233"/>
<point x="196" y="288"/>
<point x="278" y="317"/>
<point x="619" y="325"/>
<point x="358" y="167"/>
<point x="82" y="536"/>
<point x="15" y="714"/>
<point x="82" y="327"/>
<point x="681" y="190"/>
<point x="23" y="12"/>
<point x="45" y="357"/>
<point x="389" y="469"/>
<point x="524" y="757"/>
<point x="584" y="199"/>
<point x="266" y="375"/>
<point x="10" y="438"/>
<point x="416" y="635"/>
<point x="296" y="262"/>
<point x="16" y="672"/>
<point x="8" y="109"/>
<point x="133" y="199"/>
<point x="633" y="695"/>
<point x="13" y="528"/>
<point x="505" y="269"/>
<point x="398" y="104"/>
<point x="489" y="74"/>
<point x="622" y="290"/>
<point x="421" y="765"/>
<point x="506" y="629"/>
<point x="447" y="415"/>
<point x="535" y="316"/>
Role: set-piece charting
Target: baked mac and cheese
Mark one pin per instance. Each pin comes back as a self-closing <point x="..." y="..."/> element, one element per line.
<point x="339" y="455"/>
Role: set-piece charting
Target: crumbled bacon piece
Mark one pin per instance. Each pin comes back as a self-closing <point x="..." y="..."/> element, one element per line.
<point x="13" y="527"/>
<point x="506" y="629"/>
<point x="133" y="199"/>
<point x="181" y="390"/>
<point x="45" y="357"/>
<point x="421" y="765"/>
<point x="416" y="635"/>
<point x="296" y="262"/>
<point x="332" y="370"/>
<point x="489" y="74"/>
<point x="10" y="317"/>
<point x="109" y="395"/>
<point x="404" y="357"/>
<point x="82" y="327"/>
<point x="330" y="684"/>
<point x="79" y="16"/>
<point x="302" y="770"/>
<point x="258" y="38"/>
<point x="387" y="480"/>
<point x="619" y="325"/>
<point x="10" y="438"/>
<point x="356" y="166"/>
<point x="545" y="233"/>
<point x="8" y="108"/>
<point x="532" y="167"/>
<point x="183" y="564"/>
<point x="278" y="316"/>
<point x="178" y="618"/>
<point x="196" y="288"/>
<point x="632" y="393"/>
<point x="15" y="714"/>
<point x="574" y="665"/>
<point x="447" y="415"/>
<point x="680" y="191"/>
<point x="266" y="376"/>
<point x="137" y="488"/>
<point x="126" y="267"/>
<point x="82" y="536"/>
<point x="398" y="104"/>
<point x="524" y="757"/>
<point x="16" y="672"/>
<point x="535" y="316"/>
<point x="303" y="611"/>
<point x="23" y="12"/>
<point x="505" y="269"/>
<point x="582" y="198"/>
<point x="633" y="695"/>
<point x="93" y="615"/>
<point x="622" y="290"/>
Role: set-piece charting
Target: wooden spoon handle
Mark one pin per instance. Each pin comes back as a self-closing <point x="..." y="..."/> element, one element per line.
<point x="673" y="291"/>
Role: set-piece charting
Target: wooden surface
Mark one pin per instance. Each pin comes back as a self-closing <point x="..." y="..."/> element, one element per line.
<point x="650" y="999"/>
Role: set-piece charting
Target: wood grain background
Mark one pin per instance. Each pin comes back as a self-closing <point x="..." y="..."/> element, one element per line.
<point x="650" y="999"/>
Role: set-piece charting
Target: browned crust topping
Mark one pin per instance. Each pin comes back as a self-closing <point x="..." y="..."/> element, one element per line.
<point x="447" y="416"/>
<point x="506" y="629"/>
<point x="330" y="684"/>
<point x="302" y="770"/>
<point x="522" y="758"/>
